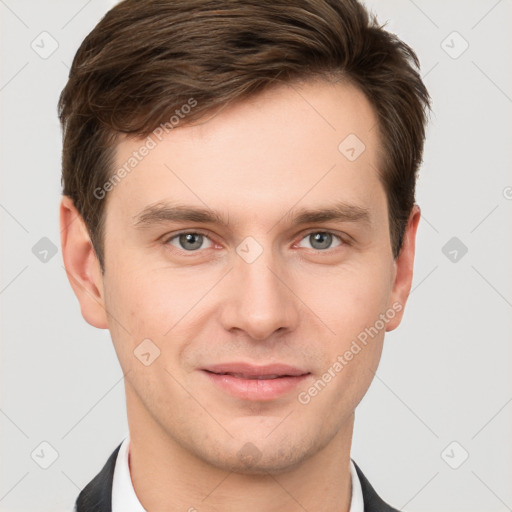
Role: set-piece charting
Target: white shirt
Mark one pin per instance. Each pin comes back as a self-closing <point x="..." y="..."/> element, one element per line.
<point x="124" y="498"/>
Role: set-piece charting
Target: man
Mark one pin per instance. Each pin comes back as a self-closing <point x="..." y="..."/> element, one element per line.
<point x="238" y="210"/>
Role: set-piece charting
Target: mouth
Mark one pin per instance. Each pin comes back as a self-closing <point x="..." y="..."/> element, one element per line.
<point x="259" y="383"/>
<point x="252" y="377"/>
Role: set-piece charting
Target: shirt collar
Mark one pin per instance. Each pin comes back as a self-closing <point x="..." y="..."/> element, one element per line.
<point x="124" y="498"/>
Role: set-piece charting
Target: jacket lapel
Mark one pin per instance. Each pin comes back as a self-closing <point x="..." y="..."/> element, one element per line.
<point x="97" y="494"/>
<point x="372" y="501"/>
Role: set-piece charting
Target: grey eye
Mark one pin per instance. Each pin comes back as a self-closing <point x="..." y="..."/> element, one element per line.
<point x="188" y="241"/>
<point x="321" y="240"/>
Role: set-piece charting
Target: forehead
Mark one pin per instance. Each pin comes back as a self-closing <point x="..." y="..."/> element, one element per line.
<point x="292" y="144"/>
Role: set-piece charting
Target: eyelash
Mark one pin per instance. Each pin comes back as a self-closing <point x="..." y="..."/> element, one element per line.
<point x="305" y="235"/>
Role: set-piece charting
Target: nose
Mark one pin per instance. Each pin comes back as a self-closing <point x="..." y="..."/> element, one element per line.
<point x="260" y="299"/>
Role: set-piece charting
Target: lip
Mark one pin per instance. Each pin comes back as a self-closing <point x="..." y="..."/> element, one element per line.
<point x="252" y="382"/>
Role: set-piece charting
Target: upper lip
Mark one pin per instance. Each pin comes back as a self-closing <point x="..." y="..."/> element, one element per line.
<point x="251" y="370"/>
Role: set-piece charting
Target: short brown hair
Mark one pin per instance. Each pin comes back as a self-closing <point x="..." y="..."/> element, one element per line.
<point x="147" y="58"/>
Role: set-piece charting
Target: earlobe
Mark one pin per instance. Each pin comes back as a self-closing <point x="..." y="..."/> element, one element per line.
<point x="404" y="264"/>
<point x="82" y="265"/>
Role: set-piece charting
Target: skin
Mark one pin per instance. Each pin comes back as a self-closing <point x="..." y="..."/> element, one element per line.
<point x="255" y="163"/>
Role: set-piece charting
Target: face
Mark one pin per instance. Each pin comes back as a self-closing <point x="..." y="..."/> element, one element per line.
<point x="262" y="317"/>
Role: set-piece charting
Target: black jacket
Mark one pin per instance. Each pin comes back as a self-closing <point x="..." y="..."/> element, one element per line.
<point x="97" y="494"/>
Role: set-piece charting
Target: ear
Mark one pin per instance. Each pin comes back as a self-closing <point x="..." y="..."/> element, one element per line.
<point x="82" y="265"/>
<point x="404" y="269"/>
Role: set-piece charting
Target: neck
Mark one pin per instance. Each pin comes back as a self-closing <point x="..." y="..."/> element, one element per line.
<point x="166" y="476"/>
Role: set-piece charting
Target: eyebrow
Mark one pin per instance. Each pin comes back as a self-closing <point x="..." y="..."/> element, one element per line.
<point x="165" y="212"/>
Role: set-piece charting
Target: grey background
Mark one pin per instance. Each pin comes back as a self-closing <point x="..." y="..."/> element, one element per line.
<point x="445" y="374"/>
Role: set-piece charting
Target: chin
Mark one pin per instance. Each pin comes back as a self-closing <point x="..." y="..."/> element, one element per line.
<point x="260" y="458"/>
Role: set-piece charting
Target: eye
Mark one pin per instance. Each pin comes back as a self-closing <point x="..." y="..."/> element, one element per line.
<point x="192" y="241"/>
<point x="321" y="240"/>
<point x="189" y="241"/>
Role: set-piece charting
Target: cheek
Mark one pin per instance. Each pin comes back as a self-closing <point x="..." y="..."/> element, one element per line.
<point x="348" y="300"/>
<point x="157" y="305"/>
<point x="349" y="358"/>
<point x="151" y="302"/>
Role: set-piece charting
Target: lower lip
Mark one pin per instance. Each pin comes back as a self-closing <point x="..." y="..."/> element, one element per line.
<point x="256" y="389"/>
